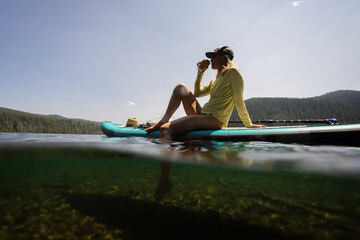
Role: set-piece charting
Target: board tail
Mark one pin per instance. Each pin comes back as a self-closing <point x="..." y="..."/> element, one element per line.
<point x="107" y="132"/>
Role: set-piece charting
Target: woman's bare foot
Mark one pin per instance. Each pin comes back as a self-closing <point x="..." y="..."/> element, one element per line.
<point x="258" y="126"/>
<point x="155" y="126"/>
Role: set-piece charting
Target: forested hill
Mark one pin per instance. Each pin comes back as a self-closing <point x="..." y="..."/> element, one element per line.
<point x="17" y="121"/>
<point x="344" y="105"/>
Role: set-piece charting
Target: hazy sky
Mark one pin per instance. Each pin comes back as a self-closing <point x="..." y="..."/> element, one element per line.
<point x="111" y="60"/>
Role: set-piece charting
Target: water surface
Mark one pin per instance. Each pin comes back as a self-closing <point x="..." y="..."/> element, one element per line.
<point x="55" y="186"/>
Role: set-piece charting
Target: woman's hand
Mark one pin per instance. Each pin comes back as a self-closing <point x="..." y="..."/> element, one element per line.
<point x="258" y="126"/>
<point x="203" y="65"/>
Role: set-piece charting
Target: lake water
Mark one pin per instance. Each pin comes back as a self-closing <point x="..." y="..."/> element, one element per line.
<point x="62" y="186"/>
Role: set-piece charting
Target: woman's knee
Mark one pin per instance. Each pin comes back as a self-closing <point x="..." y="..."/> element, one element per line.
<point x="181" y="85"/>
<point x="181" y="89"/>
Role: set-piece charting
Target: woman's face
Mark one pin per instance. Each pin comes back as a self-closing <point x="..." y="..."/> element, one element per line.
<point x="217" y="61"/>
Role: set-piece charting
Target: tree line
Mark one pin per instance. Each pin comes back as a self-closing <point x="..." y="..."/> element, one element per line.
<point x="344" y="105"/>
<point x="17" y="121"/>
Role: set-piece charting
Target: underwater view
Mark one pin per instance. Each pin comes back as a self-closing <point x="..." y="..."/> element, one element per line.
<point x="63" y="186"/>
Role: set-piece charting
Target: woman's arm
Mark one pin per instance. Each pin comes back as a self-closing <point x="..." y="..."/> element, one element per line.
<point x="237" y="84"/>
<point x="200" y="91"/>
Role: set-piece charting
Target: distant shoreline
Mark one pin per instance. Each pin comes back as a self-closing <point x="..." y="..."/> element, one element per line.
<point x="344" y="105"/>
<point x="17" y="121"/>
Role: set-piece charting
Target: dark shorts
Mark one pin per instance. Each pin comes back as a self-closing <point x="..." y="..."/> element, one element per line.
<point x="205" y="114"/>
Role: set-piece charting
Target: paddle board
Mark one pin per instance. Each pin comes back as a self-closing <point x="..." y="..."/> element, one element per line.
<point x="348" y="135"/>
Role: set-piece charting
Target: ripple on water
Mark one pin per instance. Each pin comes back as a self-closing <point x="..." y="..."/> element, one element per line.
<point x="250" y="155"/>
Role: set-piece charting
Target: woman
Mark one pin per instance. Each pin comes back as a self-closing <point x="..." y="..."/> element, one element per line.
<point x="226" y="90"/>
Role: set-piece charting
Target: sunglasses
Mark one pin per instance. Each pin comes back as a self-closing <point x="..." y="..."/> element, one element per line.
<point x="215" y="55"/>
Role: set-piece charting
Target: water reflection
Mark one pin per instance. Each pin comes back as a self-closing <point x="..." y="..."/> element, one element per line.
<point x="262" y="156"/>
<point x="249" y="155"/>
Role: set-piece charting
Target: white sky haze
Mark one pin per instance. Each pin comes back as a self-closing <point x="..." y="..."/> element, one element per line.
<point x="111" y="60"/>
<point x="296" y="3"/>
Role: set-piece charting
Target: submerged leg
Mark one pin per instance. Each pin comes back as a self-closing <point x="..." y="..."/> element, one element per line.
<point x="164" y="182"/>
<point x="181" y="94"/>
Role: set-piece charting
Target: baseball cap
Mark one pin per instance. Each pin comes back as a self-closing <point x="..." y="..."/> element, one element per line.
<point x="224" y="50"/>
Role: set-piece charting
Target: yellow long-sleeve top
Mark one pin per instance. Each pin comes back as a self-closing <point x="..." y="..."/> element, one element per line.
<point x="226" y="91"/>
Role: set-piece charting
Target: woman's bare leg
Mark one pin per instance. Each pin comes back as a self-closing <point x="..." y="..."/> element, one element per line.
<point x="189" y="123"/>
<point x="194" y="120"/>
<point x="165" y="184"/>
<point x="181" y="94"/>
<point x="178" y="126"/>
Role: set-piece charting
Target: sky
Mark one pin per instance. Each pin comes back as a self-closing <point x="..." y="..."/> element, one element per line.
<point x="112" y="60"/>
